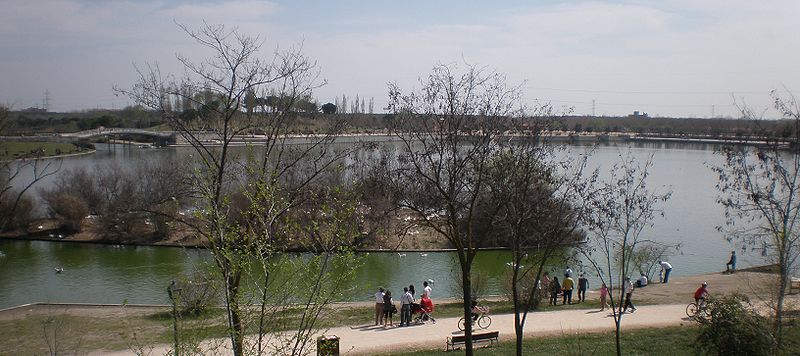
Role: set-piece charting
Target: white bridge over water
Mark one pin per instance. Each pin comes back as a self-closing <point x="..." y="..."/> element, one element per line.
<point x="82" y="135"/>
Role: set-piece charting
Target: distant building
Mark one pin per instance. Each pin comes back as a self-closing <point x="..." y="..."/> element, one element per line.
<point x="639" y="115"/>
<point x="32" y="109"/>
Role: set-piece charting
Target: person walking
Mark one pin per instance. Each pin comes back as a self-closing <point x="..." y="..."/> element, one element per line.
<point x="379" y="306"/>
<point x="667" y="269"/>
<point x="730" y="267"/>
<point x="583" y="285"/>
<point x="567" y="272"/>
<point x="405" y="308"/>
<point x="555" y="287"/>
<point x="629" y="295"/>
<point x="388" y="308"/>
<point x="603" y="296"/>
<point x="567" y="286"/>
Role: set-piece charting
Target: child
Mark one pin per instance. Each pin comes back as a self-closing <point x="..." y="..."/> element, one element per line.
<point x="603" y="296"/>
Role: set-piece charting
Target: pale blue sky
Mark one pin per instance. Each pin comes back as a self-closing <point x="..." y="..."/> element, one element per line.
<point x="671" y="57"/>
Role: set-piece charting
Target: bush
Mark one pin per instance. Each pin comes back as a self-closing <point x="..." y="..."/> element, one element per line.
<point x="198" y="292"/>
<point x="523" y="288"/>
<point x="12" y="217"/>
<point x="68" y="209"/>
<point x="734" y="328"/>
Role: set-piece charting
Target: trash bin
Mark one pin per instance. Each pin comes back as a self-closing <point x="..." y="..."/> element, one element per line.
<point x="328" y="345"/>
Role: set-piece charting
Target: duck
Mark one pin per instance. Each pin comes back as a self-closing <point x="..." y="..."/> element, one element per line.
<point x="401" y="254"/>
<point x="423" y="254"/>
<point x="59" y="269"/>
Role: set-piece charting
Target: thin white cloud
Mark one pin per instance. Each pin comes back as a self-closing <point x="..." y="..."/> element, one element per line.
<point x="82" y="47"/>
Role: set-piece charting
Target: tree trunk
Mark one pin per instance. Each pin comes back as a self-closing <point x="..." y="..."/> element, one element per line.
<point x="616" y="335"/>
<point x="618" y="320"/>
<point x="237" y="332"/>
<point x="517" y="310"/>
<point x="783" y="282"/>
<point x="467" y="289"/>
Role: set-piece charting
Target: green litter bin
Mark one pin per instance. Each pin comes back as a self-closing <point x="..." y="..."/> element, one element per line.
<point x="328" y="345"/>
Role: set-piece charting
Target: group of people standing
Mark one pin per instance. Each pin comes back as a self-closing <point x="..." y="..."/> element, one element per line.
<point x="565" y="288"/>
<point x="385" y="308"/>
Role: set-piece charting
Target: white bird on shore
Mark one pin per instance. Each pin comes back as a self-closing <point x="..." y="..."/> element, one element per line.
<point x="59" y="269"/>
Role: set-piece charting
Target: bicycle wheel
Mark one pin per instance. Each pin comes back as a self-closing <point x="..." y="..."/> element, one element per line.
<point x="692" y="309"/>
<point x="461" y="324"/>
<point x="484" y="321"/>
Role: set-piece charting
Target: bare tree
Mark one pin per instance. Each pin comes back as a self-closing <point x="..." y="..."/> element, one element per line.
<point x="449" y="130"/>
<point x="17" y="177"/>
<point x="621" y="210"/>
<point x="759" y="190"/>
<point x="539" y="209"/>
<point x="269" y="183"/>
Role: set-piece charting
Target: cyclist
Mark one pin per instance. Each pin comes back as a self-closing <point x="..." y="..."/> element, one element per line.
<point x="701" y="294"/>
<point x="477" y="310"/>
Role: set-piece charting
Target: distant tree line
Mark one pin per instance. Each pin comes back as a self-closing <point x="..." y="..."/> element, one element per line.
<point x="677" y="126"/>
<point x="129" y="117"/>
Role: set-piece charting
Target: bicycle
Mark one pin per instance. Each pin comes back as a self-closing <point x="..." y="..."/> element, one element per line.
<point x="693" y="309"/>
<point x="483" y="321"/>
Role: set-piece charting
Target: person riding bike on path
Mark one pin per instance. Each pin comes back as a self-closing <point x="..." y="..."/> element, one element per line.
<point x="667" y="269"/>
<point x="701" y="294"/>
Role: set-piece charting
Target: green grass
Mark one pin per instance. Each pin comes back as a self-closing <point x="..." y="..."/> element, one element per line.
<point x="649" y="341"/>
<point x="663" y="341"/>
<point x="15" y="150"/>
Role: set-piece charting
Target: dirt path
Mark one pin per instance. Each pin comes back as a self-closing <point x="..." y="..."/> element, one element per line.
<point x="369" y="339"/>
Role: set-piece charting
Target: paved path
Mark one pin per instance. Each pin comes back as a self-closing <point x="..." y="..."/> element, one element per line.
<point x="371" y="339"/>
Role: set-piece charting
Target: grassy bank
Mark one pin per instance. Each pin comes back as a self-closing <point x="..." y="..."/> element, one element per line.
<point x="124" y="328"/>
<point x="650" y="341"/>
<point x="15" y="150"/>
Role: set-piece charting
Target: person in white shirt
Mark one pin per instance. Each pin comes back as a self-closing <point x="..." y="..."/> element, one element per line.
<point x="427" y="289"/>
<point x="568" y="272"/>
<point x="405" y="310"/>
<point x="379" y="307"/>
<point x="628" y="285"/>
<point x="642" y="282"/>
<point x="667" y="269"/>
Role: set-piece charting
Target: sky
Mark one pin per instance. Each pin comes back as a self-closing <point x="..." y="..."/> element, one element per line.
<point x="678" y="58"/>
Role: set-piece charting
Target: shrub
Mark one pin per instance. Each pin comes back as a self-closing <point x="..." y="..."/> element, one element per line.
<point x="15" y="214"/>
<point x="733" y="328"/>
<point x="198" y="292"/>
<point x="68" y="209"/>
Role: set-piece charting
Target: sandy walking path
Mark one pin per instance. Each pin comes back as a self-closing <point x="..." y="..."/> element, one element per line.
<point x="375" y="339"/>
<point x="370" y="339"/>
